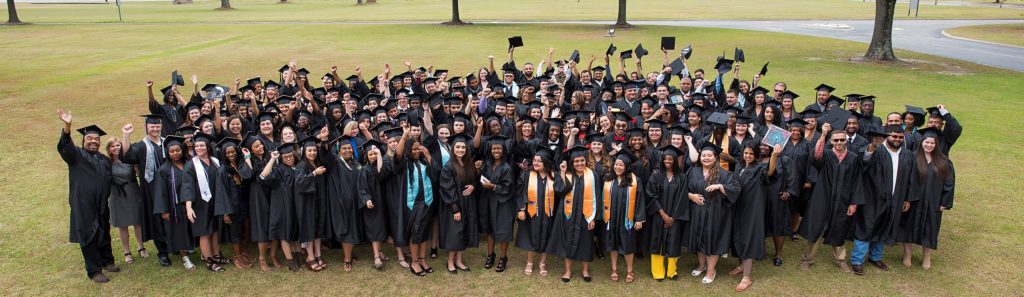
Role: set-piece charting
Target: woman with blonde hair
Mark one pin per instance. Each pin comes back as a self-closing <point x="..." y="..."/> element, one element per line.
<point x="125" y="200"/>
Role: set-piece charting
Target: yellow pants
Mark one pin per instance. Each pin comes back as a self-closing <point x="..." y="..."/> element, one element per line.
<point x="658" y="267"/>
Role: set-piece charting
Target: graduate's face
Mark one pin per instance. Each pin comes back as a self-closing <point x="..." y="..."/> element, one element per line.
<point x="459" y="149"/>
<point x="636" y="142"/>
<point x="346" y="151"/>
<point x="579" y="163"/>
<point x="693" y="118"/>
<point x="928" y="144"/>
<point x="535" y="113"/>
<point x="654" y="134"/>
<point x="796" y="133"/>
<point x="934" y="122"/>
<point x="909" y="119"/>
<point x="741" y="129"/>
<point x="287" y="135"/>
<point x="153" y="130"/>
<point x="822" y="96"/>
<point x="443" y="133"/>
<point x="231" y="152"/>
<point x="257" y="148"/>
<point x="337" y="113"/>
<point x="646" y="110"/>
<point x="207" y="127"/>
<point x="495" y="127"/>
<point x="497" y="151"/>
<point x="812" y="123"/>
<point x="765" y="150"/>
<point x="194" y="114"/>
<point x="458" y="127"/>
<point x="235" y="126"/>
<point x="528" y="69"/>
<point x="620" y="127"/>
<point x="201" y="149"/>
<point x="769" y="114"/>
<point x="508" y="77"/>
<point x="288" y="159"/>
<point x="839" y="141"/>
<point x="895" y="140"/>
<point x="730" y="98"/>
<point x="554" y="133"/>
<point x="676" y="140"/>
<point x="748" y="155"/>
<point x="527" y="130"/>
<point x="852" y="125"/>
<point x="619" y="167"/>
<point x="787" y="103"/>
<point x="310" y="153"/>
<point x="91" y="142"/>
<point x="596" y="147"/>
<point x="868" y="107"/>
<point x="852" y="105"/>
<point x="893" y="119"/>
<point x="114" y="148"/>
<point x="707" y="158"/>
<point x="668" y="162"/>
<point x="174" y="152"/>
<point x="499" y="109"/>
<point x="267" y="127"/>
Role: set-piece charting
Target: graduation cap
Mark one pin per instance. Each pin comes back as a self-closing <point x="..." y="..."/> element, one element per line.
<point x="353" y="77"/>
<point x="328" y="75"/>
<point x="640" y="51"/>
<point x="723" y="65"/>
<point x="310" y="140"/>
<point x="837" y="118"/>
<point x="166" y="91"/>
<point x="598" y="68"/>
<point x="439" y="72"/>
<point x="718" y="118"/>
<point x="809" y="113"/>
<point x="764" y="69"/>
<point x="577" y="151"/>
<point x="686" y="52"/>
<point x="934" y="111"/>
<point x="834" y="99"/>
<point x="611" y="50"/>
<point x="594" y="137"/>
<point x="930" y="132"/>
<point x="622" y="116"/>
<point x="373" y="143"/>
<point x="303" y="72"/>
<point x="461" y="137"/>
<point x="738" y="56"/>
<point x="394" y="132"/>
<point x="744" y="120"/>
<point x="789" y="94"/>
<point x="824" y="87"/>
<point x="626" y="54"/>
<point x="271" y="84"/>
<point x="797" y="122"/>
<point x="515" y="41"/>
<point x="266" y="116"/>
<point x="422" y="69"/>
<point x="91" y="129"/>
<point x="873" y="133"/>
<point x="286" y="148"/>
<point x="193" y="105"/>
<point x="853" y="97"/>
<point x="759" y="89"/>
<point x="283" y="68"/>
<point x="575" y="56"/>
<point x="556" y="122"/>
<point x="656" y="124"/>
<point x="710" y="146"/>
<point x="246" y="88"/>
<point x="497" y="139"/>
<point x="252" y="82"/>
<point x="678" y="130"/>
<point x="670" y="150"/>
<point x="732" y="109"/>
<point x="177" y="79"/>
<point x="678" y="67"/>
<point x="185" y="130"/>
<point x="462" y="117"/>
<point x="668" y="42"/>
<point x="154" y="118"/>
<point x="625" y="157"/>
<point x="172" y="140"/>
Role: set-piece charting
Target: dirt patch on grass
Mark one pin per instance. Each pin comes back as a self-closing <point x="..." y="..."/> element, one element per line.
<point x="917" y="64"/>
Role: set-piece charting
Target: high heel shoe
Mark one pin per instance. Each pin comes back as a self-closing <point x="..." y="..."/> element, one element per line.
<point x="697" y="272"/>
<point x="707" y="280"/>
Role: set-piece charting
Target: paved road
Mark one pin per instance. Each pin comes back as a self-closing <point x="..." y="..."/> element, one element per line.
<point x="923" y="36"/>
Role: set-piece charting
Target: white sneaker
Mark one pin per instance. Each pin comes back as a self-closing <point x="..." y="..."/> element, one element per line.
<point x="187" y="263"/>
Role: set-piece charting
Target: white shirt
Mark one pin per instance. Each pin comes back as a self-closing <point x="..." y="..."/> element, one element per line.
<point x="895" y="157"/>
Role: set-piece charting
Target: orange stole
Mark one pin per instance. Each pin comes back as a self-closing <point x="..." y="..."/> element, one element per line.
<point x="531" y="196"/>
<point x="589" y="189"/>
<point x="725" y="148"/>
<point x="631" y="193"/>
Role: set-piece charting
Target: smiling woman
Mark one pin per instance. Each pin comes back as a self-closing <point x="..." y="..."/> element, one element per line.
<point x="99" y="72"/>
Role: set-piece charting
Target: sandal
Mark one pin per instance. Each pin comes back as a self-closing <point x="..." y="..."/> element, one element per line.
<point x="212" y="265"/>
<point x="221" y="259"/>
<point x="313" y="266"/>
<point x="629" y="277"/>
<point x="293" y="266"/>
<point x="384" y="257"/>
<point x="413" y="270"/>
<point x="489" y="261"/>
<point x="241" y="262"/>
<point x="143" y="253"/>
<point x="425" y="267"/>
<point x="529" y="269"/>
<point x="615" y="276"/>
<point x="320" y="262"/>
<point x="347" y="266"/>
<point x="502" y="264"/>
<point x="543" y="269"/>
<point x="128" y="258"/>
<point x="378" y="263"/>
<point x="403" y="263"/>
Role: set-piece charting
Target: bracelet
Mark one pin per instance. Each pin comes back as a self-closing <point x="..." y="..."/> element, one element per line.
<point x="248" y="156"/>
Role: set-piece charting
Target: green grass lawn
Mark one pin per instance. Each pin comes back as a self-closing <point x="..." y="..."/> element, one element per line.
<point x="1012" y="34"/>
<point x="98" y="72"/>
<point x="439" y="10"/>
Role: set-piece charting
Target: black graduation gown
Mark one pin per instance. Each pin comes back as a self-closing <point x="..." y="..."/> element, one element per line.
<point x="879" y="217"/>
<point x="282" y="224"/>
<point x="417" y="210"/>
<point x="748" y="211"/>
<point x="710" y="226"/>
<point x="825" y="215"/>
<point x="259" y="200"/>
<point x="921" y="224"/>
<point x="88" y="189"/>
<point x="534" y="230"/>
<point x="501" y="208"/>
<point x="152" y="225"/>
<point x="372" y="188"/>
<point x="570" y="237"/>
<point x="777" y="211"/>
<point x="346" y="222"/>
<point x="231" y="190"/>
<point x="462" y="234"/>
<point x="308" y="193"/>
<point x="206" y="222"/>
<point x="670" y="196"/>
<point x="167" y="199"/>
<point x="801" y="155"/>
<point x="618" y="235"/>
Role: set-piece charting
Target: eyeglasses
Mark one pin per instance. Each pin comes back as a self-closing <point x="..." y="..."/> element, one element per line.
<point x="839" y="140"/>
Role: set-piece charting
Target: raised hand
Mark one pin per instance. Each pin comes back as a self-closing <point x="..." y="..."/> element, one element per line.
<point x="195" y="79"/>
<point x="149" y="84"/>
<point x="127" y="129"/>
<point x="274" y="155"/>
<point x="64" y="117"/>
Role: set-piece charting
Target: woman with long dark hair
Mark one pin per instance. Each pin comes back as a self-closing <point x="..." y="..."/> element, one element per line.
<point x="669" y="212"/>
<point x="536" y="201"/>
<point x="458" y="216"/>
<point x="933" y="185"/>
<point x="254" y="159"/>
<point x="497" y="188"/>
<point x="415" y="169"/>
<point x="712" y="190"/>
<point x="168" y="203"/>
<point x="310" y="187"/>
<point x="376" y="169"/>
<point x="624" y="213"/>
<point x="197" y="190"/>
<point x="280" y="178"/>
<point x="749" y="209"/>
<point x="572" y="235"/>
<point x="233" y="205"/>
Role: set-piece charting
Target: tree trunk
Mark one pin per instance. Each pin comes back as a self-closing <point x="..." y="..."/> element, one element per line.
<point x="12" y="14"/>
<point x="359" y="2"/>
<point x="621" y="21"/>
<point x="225" y="4"/>
<point x="455" y="12"/>
<point x="880" y="48"/>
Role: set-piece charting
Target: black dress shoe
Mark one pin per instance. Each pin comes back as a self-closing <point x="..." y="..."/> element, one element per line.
<point x="489" y="262"/>
<point x="111" y="268"/>
<point x="565" y="280"/>
<point x="99" y="278"/>
<point x="453" y="271"/>
<point x="858" y="269"/>
<point x="587" y="278"/>
<point x="433" y="253"/>
<point x="777" y="262"/>
<point x="165" y="261"/>
<point x="881" y="265"/>
<point x="464" y="269"/>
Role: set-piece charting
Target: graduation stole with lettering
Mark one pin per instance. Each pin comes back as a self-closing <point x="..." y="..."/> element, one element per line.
<point x="531" y="196"/>
<point x="589" y="189"/>
<point x="631" y="192"/>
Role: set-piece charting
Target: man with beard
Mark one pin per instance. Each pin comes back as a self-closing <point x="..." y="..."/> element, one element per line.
<point x="148" y="155"/>
<point x="88" y="189"/>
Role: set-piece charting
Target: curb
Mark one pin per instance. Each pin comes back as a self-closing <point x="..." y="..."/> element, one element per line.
<point x="981" y="41"/>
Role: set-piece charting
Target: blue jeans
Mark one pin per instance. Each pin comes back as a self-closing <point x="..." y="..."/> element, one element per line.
<point x="860" y="249"/>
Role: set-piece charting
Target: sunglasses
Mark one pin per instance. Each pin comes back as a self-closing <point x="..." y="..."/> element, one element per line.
<point x="839" y="140"/>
